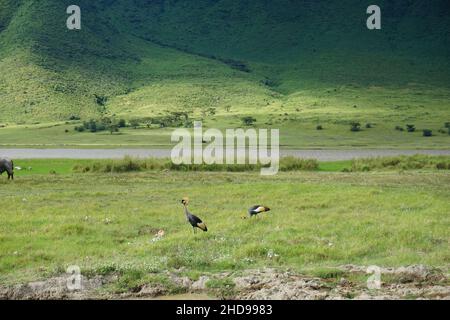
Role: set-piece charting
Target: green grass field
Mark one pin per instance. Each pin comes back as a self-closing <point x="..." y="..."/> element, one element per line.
<point x="105" y="222"/>
<point x="293" y="66"/>
<point x="293" y="135"/>
<point x="279" y="62"/>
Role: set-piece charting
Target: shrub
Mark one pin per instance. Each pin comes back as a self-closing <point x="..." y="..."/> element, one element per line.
<point x="101" y="100"/>
<point x="248" y="121"/>
<point x="410" y="128"/>
<point x="447" y="125"/>
<point x="369" y="125"/>
<point x="223" y="288"/>
<point x="129" y="164"/>
<point x="398" y="128"/>
<point x="99" y="125"/>
<point x="122" y="123"/>
<point x="211" y="111"/>
<point x="319" y="127"/>
<point x="427" y="133"/>
<point x="173" y="119"/>
<point x="443" y="165"/>
<point x="297" y="164"/>
<point x="355" y="126"/>
<point x="92" y="126"/>
<point x="134" y="123"/>
<point x="113" y="128"/>
<point x="401" y="163"/>
<point x="72" y="117"/>
<point x="238" y="65"/>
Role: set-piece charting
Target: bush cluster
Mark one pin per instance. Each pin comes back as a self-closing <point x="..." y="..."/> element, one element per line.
<point x="129" y="164"/>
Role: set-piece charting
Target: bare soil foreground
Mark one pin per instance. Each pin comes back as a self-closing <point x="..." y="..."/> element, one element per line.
<point x="346" y="282"/>
<point x="320" y="155"/>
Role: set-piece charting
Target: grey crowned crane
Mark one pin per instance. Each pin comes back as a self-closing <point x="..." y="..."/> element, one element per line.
<point x="195" y="221"/>
<point x="255" y="210"/>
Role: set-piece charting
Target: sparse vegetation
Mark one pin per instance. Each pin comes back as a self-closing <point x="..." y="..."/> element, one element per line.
<point x="135" y="123"/>
<point x="248" y="121"/>
<point x="355" y="126"/>
<point x="416" y="162"/>
<point x="129" y="164"/>
<point x="173" y="119"/>
<point x="122" y="123"/>
<point x="447" y="126"/>
<point x="103" y="124"/>
<point x="222" y="288"/>
<point x="297" y="164"/>
<point x="101" y="100"/>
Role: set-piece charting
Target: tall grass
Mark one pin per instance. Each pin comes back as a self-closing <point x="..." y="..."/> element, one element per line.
<point x="402" y="163"/>
<point x="129" y="164"/>
<point x="297" y="164"/>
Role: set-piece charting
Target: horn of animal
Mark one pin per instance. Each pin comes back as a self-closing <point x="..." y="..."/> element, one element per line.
<point x="194" y="221"/>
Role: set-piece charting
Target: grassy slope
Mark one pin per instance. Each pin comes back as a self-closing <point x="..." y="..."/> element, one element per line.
<point x="51" y="73"/>
<point x="318" y="68"/>
<point x="386" y="219"/>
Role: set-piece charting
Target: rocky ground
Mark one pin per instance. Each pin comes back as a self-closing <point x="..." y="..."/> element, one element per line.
<point x="412" y="282"/>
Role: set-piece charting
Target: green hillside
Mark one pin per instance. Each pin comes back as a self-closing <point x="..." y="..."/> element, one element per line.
<point x="286" y="62"/>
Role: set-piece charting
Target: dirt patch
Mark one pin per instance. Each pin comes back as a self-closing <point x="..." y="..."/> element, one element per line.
<point x="415" y="273"/>
<point x="421" y="283"/>
<point x="412" y="282"/>
<point x="55" y="288"/>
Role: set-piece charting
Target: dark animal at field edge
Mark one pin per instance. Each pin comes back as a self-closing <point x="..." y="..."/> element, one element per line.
<point x="8" y="166"/>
